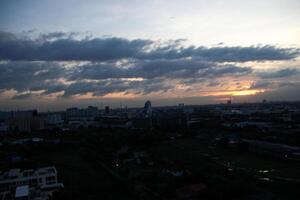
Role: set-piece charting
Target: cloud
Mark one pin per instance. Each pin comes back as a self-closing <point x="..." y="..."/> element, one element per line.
<point x="52" y="64"/>
<point x="23" y="76"/>
<point x="290" y="93"/>
<point x="13" y="47"/>
<point x="226" y="54"/>
<point x="104" y="87"/>
<point x="149" y="69"/>
<point x="288" y="72"/>
<point x="260" y="84"/>
<point x="57" y="35"/>
<point x="139" y="77"/>
<point x="23" y="96"/>
<point x="289" y="84"/>
<point x="59" y="46"/>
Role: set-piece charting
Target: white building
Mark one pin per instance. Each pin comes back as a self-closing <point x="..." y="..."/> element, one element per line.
<point x="42" y="178"/>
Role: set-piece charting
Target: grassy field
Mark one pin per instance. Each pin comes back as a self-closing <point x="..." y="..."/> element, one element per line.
<point x="202" y="158"/>
<point x="225" y="171"/>
<point x="82" y="179"/>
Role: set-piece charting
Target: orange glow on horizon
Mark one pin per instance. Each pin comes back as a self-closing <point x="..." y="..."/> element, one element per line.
<point x="120" y="95"/>
<point x="236" y="93"/>
<point x="128" y="95"/>
<point x="246" y="92"/>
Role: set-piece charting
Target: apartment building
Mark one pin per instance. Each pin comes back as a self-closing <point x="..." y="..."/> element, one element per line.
<point x="42" y="178"/>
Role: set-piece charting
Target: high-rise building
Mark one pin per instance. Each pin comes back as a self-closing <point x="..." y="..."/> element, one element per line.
<point x="229" y="102"/>
<point x="26" y="121"/>
<point x="106" y="110"/>
<point x="148" y="108"/>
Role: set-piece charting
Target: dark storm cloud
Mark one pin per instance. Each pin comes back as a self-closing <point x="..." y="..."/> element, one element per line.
<point x="52" y="88"/>
<point x="103" y="78"/>
<point x="226" y="70"/>
<point x="289" y="84"/>
<point x="278" y="84"/>
<point x="65" y="48"/>
<point x="185" y="68"/>
<point x="108" y="78"/>
<point x="105" y="87"/>
<point x="57" y="35"/>
<point x="288" y="72"/>
<point x="171" y="69"/>
<point x="193" y="81"/>
<point x="23" y="76"/>
<point x="260" y="85"/>
<point x="33" y="67"/>
<point x="226" y="54"/>
<point x="20" y="48"/>
<point x="98" y="71"/>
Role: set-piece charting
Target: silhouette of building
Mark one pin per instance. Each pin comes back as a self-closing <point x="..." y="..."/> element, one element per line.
<point x="76" y="114"/>
<point x="264" y="101"/>
<point x="26" y="121"/>
<point x="148" y="108"/>
<point x="107" y="110"/>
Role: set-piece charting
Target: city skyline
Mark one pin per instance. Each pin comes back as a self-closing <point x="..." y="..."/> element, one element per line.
<point x="55" y="55"/>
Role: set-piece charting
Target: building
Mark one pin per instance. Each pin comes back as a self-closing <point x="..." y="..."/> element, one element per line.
<point x="85" y="114"/>
<point x="172" y="119"/>
<point x="4" y="127"/>
<point x="22" y="192"/>
<point x="107" y="110"/>
<point x="148" y="109"/>
<point x="54" y="119"/>
<point x="229" y="102"/>
<point x="26" y="121"/>
<point x="44" y="179"/>
<point x="113" y="122"/>
<point x="25" y="192"/>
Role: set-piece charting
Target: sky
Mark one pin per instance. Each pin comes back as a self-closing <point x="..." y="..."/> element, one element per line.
<point x="57" y="54"/>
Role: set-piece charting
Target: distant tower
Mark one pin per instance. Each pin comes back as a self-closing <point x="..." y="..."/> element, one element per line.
<point x="229" y="102"/>
<point x="148" y="108"/>
<point x="106" y="109"/>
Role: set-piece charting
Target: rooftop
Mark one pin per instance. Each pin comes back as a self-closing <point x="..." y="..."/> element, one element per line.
<point x="17" y="173"/>
<point x="22" y="191"/>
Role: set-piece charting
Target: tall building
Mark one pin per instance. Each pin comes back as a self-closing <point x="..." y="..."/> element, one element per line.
<point x="148" y="108"/>
<point x="76" y="114"/>
<point x="107" y="110"/>
<point x="26" y="121"/>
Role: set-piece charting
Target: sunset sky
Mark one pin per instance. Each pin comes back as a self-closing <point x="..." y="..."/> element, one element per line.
<point x="56" y="54"/>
